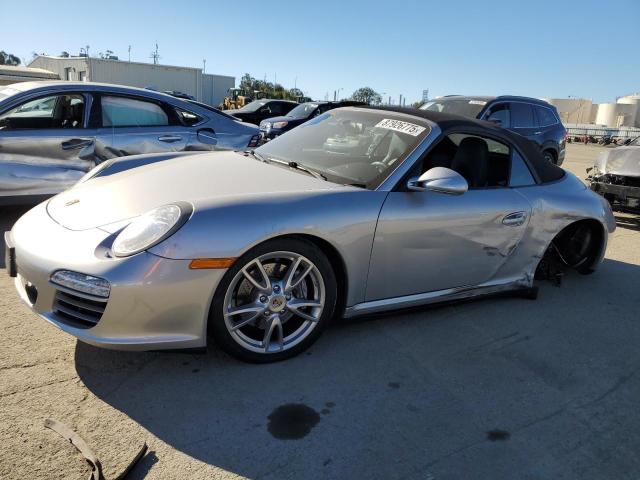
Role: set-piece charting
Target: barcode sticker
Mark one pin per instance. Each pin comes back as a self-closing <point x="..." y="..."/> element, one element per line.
<point x="402" y="127"/>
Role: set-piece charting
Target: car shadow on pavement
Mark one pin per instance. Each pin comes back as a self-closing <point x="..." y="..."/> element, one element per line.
<point x="484" y="388"/>
<point x="628" y="221"/>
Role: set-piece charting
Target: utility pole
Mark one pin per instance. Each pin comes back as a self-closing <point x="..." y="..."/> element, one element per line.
<point x="155" y="55"/>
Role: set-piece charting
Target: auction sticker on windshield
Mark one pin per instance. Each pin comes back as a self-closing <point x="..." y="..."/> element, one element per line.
<point x="402" y="127"/>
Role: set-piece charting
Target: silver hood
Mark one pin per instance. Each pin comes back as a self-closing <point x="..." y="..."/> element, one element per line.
<point x="624" y="161"/>
<point x="202" y="180"/>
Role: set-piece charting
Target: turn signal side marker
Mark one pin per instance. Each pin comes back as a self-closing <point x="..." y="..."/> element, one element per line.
<point x="211" y="263"/>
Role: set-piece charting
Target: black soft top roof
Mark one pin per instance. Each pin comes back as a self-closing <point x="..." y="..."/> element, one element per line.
<point x="543" y="170"/>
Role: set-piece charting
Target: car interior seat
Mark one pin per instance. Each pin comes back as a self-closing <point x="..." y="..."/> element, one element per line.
<point x="472" y="161"/>
<point x="75" y="118"/>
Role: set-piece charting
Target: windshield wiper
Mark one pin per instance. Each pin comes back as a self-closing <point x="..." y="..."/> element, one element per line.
<point x="257" y="156"/>
<point x="302" y="168"/>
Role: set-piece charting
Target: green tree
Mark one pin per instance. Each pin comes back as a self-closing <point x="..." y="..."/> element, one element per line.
<point x="8" y="59"/>
<point x="367" y="95"/>
<point x="250" y="85"/>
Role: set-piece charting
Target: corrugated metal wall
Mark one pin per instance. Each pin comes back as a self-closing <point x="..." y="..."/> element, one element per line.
<point x="143" y="75"/>
<point x="60" y="65"/>
<point x="208" y="88"/>
<point x="214" y="88"/>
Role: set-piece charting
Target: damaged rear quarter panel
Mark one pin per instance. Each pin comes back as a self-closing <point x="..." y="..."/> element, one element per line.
<point x="555" y="206"/>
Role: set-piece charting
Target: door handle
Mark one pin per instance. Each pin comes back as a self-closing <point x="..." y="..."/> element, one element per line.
<point x="170" y="138"/>
<point x="514" y="219"/>
<point x="537" y="133"/>
<point x="75" y="143"/>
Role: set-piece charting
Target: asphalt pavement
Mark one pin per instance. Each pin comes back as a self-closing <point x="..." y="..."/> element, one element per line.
<point x="501" y="388"/>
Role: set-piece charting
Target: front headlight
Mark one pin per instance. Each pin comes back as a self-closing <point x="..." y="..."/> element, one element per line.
<point x="280" y="124"/>
<point x="265" y="125"/>
<point x="150" y="229"/>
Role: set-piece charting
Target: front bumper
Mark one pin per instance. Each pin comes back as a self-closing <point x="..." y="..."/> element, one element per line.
<point x="270" y="133"/>
<point x="625" y="196"/>
<point x="154" y="303"/>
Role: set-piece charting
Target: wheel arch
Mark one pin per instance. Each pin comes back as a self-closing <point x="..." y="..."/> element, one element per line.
<point x="552" y="150"/>
<point x="333" y="255"/>
<point x="596" y="237"/>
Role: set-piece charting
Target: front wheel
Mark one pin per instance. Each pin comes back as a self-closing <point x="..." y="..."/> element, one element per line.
<point x="274" y="302"/>
<point x="549" y="156"/>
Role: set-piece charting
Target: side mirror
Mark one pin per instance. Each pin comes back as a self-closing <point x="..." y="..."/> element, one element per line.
<point x="495" y="121"/>
<point x="441" y="180"/>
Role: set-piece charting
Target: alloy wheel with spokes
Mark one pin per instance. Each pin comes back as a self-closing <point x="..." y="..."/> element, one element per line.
<point x="275" y="303"/>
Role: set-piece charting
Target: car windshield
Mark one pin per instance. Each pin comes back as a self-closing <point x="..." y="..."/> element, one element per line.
<point x="459" y="106"/>
<point x="303" y="111"/>
<point x="349" y="146"/>
<point x="253" y="106"/>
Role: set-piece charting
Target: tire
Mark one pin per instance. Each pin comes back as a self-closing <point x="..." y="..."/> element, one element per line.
<point x="261" y="322"/>
<point x="549" y="156"/>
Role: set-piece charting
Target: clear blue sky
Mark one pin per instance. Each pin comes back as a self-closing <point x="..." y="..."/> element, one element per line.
<point x="539" y="48"/>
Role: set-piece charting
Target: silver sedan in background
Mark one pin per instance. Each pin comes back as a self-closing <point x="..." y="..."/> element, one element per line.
<point x="53" y="133"/>
<point x="357" y="211"/>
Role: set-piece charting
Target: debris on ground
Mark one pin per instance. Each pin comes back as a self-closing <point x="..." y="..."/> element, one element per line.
<point x="96" y="467"/>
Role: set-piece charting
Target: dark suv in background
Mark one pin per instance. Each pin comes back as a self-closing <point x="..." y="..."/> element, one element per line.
<point x="274" y="126"/>
<point x="532" y="118"/>
<point x="258" y="110"/>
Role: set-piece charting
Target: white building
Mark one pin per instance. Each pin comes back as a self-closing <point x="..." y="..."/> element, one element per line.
<point x="204" y="87"/>
<point x="10" y="74"/>
<point x="624" y="112"/>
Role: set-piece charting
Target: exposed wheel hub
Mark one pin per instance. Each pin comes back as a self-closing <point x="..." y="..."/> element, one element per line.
<point x="277" y="303"/>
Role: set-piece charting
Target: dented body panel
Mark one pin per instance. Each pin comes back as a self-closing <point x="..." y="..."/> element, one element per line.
<point x="397" y="248"/>
<point x="37" y="160"/>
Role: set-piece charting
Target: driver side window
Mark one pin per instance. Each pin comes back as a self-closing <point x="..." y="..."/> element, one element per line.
<point x="56" y="111"/>
<point x="483" y="162"/>
<point x="500" y="115"/>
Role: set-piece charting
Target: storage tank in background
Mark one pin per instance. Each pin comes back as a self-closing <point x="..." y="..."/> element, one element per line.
<point x="634" y="111"/>
<point x="615" y="114"/>
<point x="572" y="110"/>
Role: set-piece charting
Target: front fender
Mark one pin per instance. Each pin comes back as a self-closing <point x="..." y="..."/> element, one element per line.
<point x="231" y="226"/>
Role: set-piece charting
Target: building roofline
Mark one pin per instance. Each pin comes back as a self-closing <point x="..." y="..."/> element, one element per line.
<point x="98" y="59"/>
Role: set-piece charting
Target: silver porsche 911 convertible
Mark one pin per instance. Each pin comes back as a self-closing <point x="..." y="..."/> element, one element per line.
<point x="358" y="211"/>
